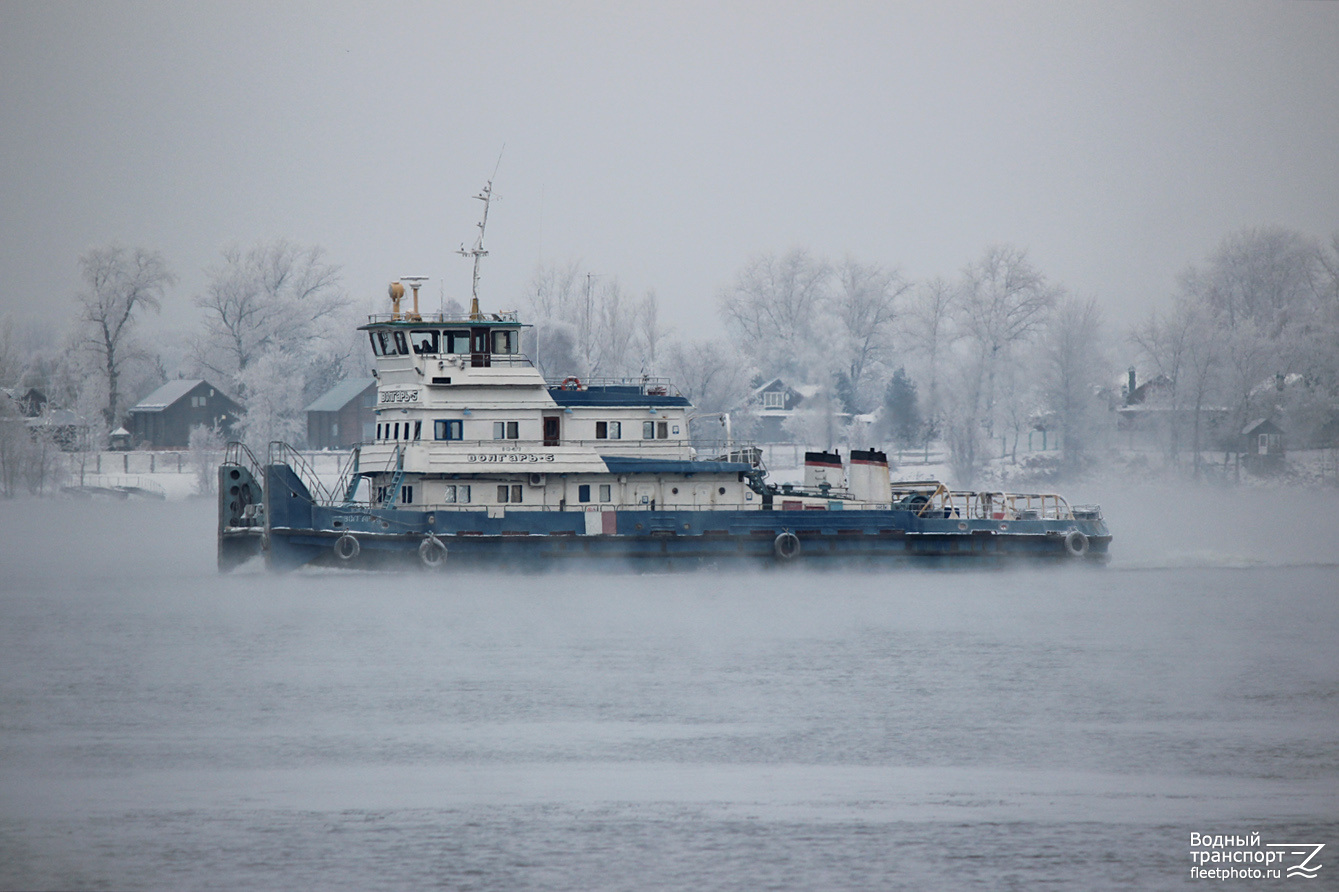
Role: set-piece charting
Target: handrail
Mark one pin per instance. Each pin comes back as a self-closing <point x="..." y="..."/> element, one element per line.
<point x="706" y="450"/>
<point x="464" y="321"/>
<point x="282" y="453"/>
<point x="649" y="385"/>
<point x="237" y="453"/>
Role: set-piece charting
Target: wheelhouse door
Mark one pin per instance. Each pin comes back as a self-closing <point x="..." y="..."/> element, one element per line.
<point x="479" y="355"/>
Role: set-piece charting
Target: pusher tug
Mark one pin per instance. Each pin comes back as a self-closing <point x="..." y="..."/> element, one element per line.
<point x="478" y="460"/>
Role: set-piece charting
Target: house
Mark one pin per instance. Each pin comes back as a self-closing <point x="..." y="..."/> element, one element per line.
<point x="1262" y="446"/>
<point x="30" y="402"/>
<point x="343" y="416"/>
<point x="1151" y="417"/>
<point x="776" y="402"/>
<point x="164" y="418"/>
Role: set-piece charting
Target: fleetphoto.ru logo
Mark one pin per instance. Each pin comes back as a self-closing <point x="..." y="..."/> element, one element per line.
<point x="1246" y="858"/>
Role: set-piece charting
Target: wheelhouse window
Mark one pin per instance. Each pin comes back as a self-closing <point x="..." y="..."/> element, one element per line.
<point x="506" y="430"/>
<point x="509" y="494"/>
<point x="504" y="341"/>
<point x="423" y="342"/>
<point x="448" y="429"/>
<point x="456" y="341"/>
<point x="456" y="494"/>
<point x="608" y="430"/>
<point x="388" y="343"/>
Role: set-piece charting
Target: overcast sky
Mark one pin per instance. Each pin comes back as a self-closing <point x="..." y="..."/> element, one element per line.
<point x="662" y="143"/>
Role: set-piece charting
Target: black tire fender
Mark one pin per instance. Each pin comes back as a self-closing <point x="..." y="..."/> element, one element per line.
<point x="347" y="547"/>
<point x="432" y="552"/>
<point x="1076" y="543"/>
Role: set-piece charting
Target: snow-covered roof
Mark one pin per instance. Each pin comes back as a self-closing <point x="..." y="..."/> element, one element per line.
<point x="338" y="397"/>
<point x="1257" y="424"/>
<point x="166" y="395"/>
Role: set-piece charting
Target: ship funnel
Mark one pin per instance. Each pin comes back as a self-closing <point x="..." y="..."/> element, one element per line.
<point x="823" y="468"/>
<point x="869" y="476"/>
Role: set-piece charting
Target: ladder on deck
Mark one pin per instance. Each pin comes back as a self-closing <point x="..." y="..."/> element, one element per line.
<point x="394" y="489"/>
<point x="352" y="488"/>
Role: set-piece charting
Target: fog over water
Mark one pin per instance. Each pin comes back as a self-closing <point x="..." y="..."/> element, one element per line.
<point x="162" y="726"/>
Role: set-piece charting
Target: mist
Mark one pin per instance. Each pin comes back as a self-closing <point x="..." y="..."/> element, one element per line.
<point x="165" y="726"/>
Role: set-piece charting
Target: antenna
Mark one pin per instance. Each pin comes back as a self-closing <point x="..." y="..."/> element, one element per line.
<point x="478" y="252"/>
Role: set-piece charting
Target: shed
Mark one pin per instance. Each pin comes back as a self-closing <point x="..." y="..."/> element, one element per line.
<point x="1262" y="445"/>
<point x="342" y="417"/>
<point x="164" y="418"/>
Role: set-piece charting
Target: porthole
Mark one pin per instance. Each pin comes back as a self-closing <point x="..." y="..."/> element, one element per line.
<point x="722" y="490"/>
<point x="962" y="524"/>
<point x="675" y="490"/>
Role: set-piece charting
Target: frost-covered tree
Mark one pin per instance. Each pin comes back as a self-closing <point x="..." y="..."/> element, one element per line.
<point x="277" y="297"/>
<point x="1003" y="301"/>
<point x="1075" y="367"/>
<point x="865" y="305"/>
<point x="119" y="285"/>
<point x="588" y="325"/>
<point x="927" y="331"/>
<point x="277" y="326"/>
<point x="774" y="310"/>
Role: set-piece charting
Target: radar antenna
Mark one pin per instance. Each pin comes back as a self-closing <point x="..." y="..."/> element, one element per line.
<point x="478" y="252"/>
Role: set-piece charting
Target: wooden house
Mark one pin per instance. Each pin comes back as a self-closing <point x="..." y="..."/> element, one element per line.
<point x="343" y="417"/>
<point x="164" y="418"/>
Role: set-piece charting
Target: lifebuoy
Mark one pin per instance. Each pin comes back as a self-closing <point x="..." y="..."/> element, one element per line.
<point x="432" y="552"/>
<point x="1076" y="543"/>
<point x="571" y="382"/>
<point x="786" y="546"/>
<point x="347" y="547"/>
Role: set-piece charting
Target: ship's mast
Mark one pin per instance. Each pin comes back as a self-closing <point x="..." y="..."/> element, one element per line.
<point x="478" y="252"/>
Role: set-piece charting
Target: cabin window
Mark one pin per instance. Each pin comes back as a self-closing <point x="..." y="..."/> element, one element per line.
<point x="509" y="494"/>
<point x="774" y="400"/>
<point x="583" y="492"/>
<point x="448" y="429"/>
<point x="455" y="341"/>
<point x="407" y="494"/>
<point x="608" y="430"/>
<point x="396" y="436"/>
<point x="655" y="430"/>
<point x="606" y="493"/>
<point x="423" y="341"/>
<point x="504" y="342"/>
<point x="418" y="430"/>
<point x="456" y="493"/>
<point x="506" y="430"/>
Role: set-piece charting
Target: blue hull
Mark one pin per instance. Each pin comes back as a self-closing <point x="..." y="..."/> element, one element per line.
<point x="299" y="532"/>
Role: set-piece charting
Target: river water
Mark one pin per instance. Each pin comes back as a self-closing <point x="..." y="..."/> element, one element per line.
<point x="162" y="727"/>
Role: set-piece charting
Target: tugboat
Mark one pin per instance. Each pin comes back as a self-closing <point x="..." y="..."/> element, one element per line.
<point x="477" y="460"/>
